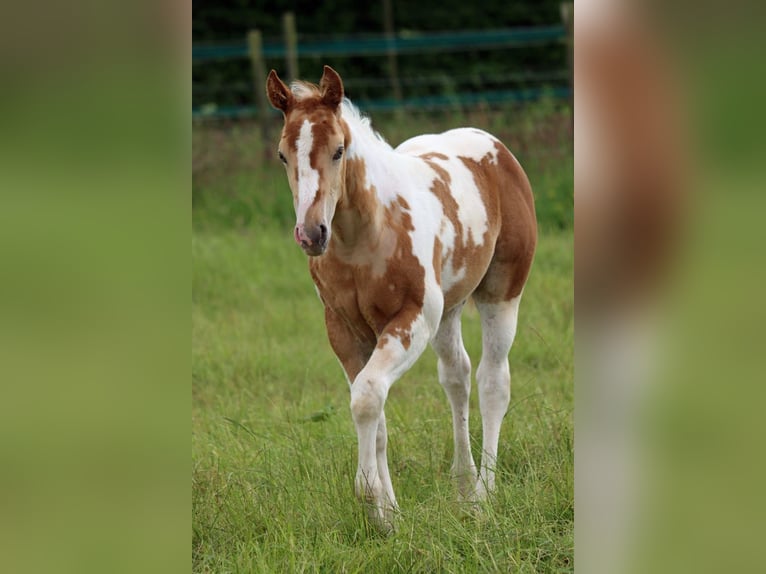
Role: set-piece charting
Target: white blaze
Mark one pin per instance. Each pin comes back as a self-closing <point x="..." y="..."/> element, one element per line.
<point x="308" y="177"/>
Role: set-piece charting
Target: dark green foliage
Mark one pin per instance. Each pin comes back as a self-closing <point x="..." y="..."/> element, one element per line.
<point x="230" y="82"/>
<point x="222" y="20"/>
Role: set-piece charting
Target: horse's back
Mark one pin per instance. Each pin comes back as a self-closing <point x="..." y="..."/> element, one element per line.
<point x="455" y="143"/>
<point x="499" y="184"/>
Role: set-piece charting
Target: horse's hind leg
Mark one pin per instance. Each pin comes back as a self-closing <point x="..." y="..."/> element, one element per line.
<point x="454" y="368"/>
<point x="498" y="323"/>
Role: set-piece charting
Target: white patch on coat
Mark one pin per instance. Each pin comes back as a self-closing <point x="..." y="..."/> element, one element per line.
<point x="466" y="142"/>
<point x="308" y="177"/>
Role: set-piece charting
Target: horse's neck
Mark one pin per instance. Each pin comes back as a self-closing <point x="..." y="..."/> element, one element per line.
<point x="361" y="212"/>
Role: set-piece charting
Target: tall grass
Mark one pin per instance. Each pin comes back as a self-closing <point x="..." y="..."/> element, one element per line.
<point x="273" y="444"/>
<point x="274" y="449"/>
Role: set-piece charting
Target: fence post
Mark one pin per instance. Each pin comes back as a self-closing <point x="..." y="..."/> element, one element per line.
<point x="393" y="65"/>
<point x="291" y="45"/>
<point x="255" y="45"/>
<point x="567" y="18"/>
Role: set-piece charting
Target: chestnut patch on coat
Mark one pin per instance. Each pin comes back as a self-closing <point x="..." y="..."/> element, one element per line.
<point x="437" y="260"/>
<point x="353" y="349"/>
<point x="513" y="202"/>
<point x="433" y="155"/>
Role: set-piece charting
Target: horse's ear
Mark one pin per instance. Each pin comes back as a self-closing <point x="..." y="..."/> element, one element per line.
<point x="331" y="87"/>
<point x="279" y="94"/>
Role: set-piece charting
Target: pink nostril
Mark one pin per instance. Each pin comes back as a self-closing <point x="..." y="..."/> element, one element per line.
<point x="300" y="236"/>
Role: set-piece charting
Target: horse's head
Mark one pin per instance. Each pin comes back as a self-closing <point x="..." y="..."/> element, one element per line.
<point x="312" y="149"/>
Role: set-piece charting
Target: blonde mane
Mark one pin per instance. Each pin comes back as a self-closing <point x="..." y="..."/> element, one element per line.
<point x="360" y="125"/>
<point x="304" y="90"/>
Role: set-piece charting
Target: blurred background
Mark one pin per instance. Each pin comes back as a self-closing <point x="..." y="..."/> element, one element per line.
<point x="391" y="53"/>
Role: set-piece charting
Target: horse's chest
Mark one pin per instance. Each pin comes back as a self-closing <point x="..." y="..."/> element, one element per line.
<point x="366" y="302"/>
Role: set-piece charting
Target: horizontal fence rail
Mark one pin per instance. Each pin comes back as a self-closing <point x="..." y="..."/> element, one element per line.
<point x="404" y="43"/>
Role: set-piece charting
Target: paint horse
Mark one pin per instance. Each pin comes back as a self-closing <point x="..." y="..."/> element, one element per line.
<point x="398" y="239"/>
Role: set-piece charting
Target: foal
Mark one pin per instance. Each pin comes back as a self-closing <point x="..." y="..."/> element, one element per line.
<point x="398" y="240"/>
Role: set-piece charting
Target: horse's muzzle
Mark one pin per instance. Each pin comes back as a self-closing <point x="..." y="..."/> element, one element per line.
<point x="313" y="240"/>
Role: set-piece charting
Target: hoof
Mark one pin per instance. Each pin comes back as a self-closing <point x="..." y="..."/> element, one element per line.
<point x="381" y="516"/>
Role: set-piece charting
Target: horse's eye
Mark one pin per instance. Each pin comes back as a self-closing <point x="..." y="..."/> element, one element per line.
<point x="338" y="153"/>
<point x="282" y="158"/>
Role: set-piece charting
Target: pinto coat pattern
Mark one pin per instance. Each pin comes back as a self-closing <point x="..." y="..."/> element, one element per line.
<point x="398" y="240"/>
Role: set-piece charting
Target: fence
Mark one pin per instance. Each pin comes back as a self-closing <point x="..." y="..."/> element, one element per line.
<point x="380" y="44"/>
<point x="556" y="82"/>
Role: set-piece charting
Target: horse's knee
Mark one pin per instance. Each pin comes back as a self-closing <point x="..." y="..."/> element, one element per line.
<point x="494" y="382"/>
<point x="493" y="372"/>
<point x="367" y="398"/>
<point x="455" y="371"/>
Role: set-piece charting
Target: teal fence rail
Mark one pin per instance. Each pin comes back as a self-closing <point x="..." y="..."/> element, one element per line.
<point x="405" y="43"/>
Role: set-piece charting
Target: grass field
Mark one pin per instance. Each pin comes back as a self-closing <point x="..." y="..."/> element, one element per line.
<point x="273" y="444"/>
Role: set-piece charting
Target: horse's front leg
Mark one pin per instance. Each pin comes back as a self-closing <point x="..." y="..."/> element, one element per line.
<point x="381" y="455"/>
<point x="353" y="354"/>
<point x="399" y="346"/>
